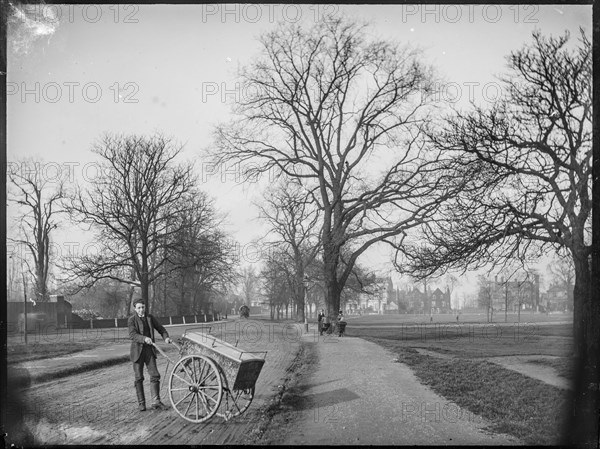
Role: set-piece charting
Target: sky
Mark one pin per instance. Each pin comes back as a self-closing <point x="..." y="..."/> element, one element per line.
<point x="78" y="71"/>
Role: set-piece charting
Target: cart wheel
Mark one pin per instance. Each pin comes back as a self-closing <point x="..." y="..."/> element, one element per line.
<point x="195" y="388"/>
<point x="235" y="403"/>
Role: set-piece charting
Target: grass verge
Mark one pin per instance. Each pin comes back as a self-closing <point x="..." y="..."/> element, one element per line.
<point x="18" y="353"/>
<point x="20" y="377"/>
<point x="514" y="404"/>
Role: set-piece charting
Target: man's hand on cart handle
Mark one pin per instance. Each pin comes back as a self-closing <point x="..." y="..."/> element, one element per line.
<point x="148" y="340"/>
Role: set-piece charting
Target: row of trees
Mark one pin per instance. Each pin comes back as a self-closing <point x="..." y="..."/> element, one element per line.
<point x="153" y="229"/>
<point x="453" y="189"/>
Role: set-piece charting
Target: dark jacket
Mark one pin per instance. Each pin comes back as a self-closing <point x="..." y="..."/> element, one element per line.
<point x="136" y="333"/>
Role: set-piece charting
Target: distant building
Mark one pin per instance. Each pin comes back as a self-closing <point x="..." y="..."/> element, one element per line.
<point x="52" y="314"/>
<point x="416" y="300"/>
<point x="440" y="301"/>
<point x="557" y="299"/>
<point x="378" y="298"/>
<point x="521" y="293"/>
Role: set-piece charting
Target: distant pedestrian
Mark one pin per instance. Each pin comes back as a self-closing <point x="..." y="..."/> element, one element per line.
<point x="341" y="324"/>
<point x="457" y="318"/>
<point x="142" y="352"/>
<point x="320" y="318"/>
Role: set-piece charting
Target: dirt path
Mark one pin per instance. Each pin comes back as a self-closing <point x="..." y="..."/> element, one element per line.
<point x="99" y="406"/>
<point x="355" y="394"/>
<point x="522" y="364"/>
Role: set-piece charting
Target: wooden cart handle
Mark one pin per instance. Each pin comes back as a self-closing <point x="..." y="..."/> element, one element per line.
<point x="163" y="353"/>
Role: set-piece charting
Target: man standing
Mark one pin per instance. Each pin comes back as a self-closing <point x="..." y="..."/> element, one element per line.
<point x="141" y="332"/>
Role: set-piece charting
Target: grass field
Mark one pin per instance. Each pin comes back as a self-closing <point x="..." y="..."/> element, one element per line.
<point x="59" y="343"/>
<point x="498" y="318"/>
<point x="514" y="403"/>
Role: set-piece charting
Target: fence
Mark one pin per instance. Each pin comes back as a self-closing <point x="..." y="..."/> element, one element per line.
<point x="41" y="326"/>
<point x="122" y="322"/>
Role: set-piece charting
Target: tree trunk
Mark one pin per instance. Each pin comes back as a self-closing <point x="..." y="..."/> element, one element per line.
<point x="181" y="302"/>
<point x="582" y="425"/>
<point x="300" y="298"/>
<point x="145" y="288"/>
<point x="332" y="298"/>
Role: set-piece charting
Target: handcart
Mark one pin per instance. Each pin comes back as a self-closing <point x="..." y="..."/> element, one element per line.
<point x="212" y="377"/>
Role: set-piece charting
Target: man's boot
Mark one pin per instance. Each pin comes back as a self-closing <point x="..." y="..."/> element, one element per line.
<point x="139" y="389"/>
<point x="156" y="403"/>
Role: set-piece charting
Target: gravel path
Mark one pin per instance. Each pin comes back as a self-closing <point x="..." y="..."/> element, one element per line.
<point x="358" y="395"/>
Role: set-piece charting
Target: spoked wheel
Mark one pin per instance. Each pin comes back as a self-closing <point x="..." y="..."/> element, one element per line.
<point x="195" y="388"/>
<point x="235" y="403"/>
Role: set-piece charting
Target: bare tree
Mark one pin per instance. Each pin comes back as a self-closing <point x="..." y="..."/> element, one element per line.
<point x="293" y="219"/>
<point x="343" y="115"/>
<point x="451" y="281"/>
<point x="37" y="193"/>
<point x="200" y="253"/>
<point x="136" y="204"/>
<point x="486" y="298"/>
<point x="533" y="149"/>
<point x="277" y="277"/>
<point x="249" y="284"/>
<point x="562" y="273"/>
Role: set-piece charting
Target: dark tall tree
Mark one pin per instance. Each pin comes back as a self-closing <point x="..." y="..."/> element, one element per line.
<point x="277" y="277"/>
<point x="343" y="115"/>
<point x="136" y="205"/>
<point x="37" y="192"/>
<point x="200" y="252"/>
<point x="533" y="152"/>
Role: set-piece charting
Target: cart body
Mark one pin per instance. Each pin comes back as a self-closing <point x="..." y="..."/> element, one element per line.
<point x="241" y="368"/>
